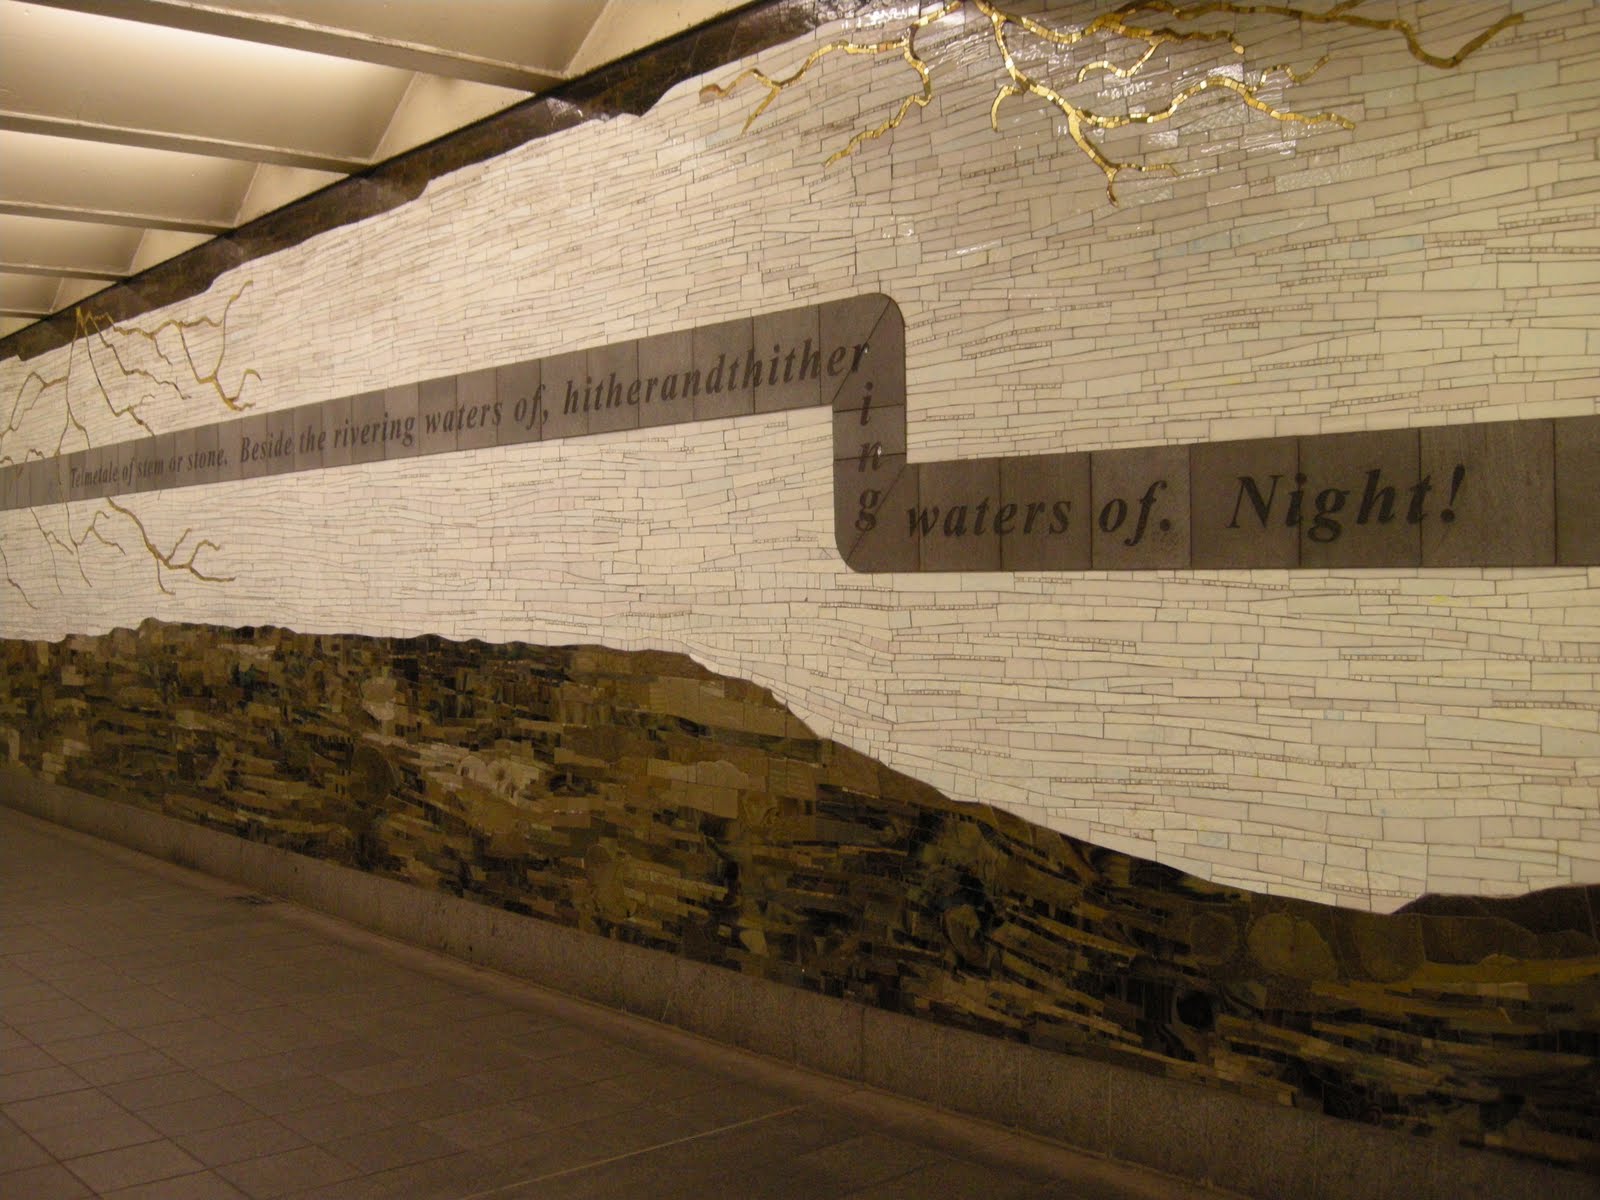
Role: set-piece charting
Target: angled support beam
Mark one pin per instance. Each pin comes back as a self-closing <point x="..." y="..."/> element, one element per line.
<point x="105" y="216"/>
<point x="153" y="139"/>
<point x="223" y="21"/>
<point x="25" y="313"/>
<point x="14" y="268"/>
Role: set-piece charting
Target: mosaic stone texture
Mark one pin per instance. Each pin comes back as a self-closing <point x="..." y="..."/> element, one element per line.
<point x="641" y="797"/>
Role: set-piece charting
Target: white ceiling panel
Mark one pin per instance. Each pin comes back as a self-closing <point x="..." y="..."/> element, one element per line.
<point x="138" y="186"/>
<point x="71" y="70"/>
<point x="67" y="247"/>
<point x="132" y="130"/>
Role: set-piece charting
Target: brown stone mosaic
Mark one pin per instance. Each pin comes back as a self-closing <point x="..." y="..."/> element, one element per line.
<point x="642" y="798"/>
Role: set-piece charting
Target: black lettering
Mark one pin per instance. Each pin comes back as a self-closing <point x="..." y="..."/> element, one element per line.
<point x="1249" y="490"/>
<point x="1419" y="492"/>
<point x="1324" y="528"/>
<point x="1112" y="515"/>
<point x="1005" y="519"/>
<point x="1059" y="512"/>
<point x="927" y="518"/>
<point x="1031" y="515"/>
<point x="955" y="521"/>
<point x="1383" y="498"/>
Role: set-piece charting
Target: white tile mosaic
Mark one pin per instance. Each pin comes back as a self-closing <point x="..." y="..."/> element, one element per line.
<point x="1353" y="736"/>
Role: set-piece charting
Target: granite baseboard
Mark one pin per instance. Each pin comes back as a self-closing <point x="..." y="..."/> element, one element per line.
<point x="1196" y="1133"/>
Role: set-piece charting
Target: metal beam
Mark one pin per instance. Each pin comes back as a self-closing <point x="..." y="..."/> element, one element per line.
<point x="105" y="216"/>
<point x="274" y="30"/>
<point x="12" y="268"/>
<point x="27" y="314"/>
<point x="153" y="139"/>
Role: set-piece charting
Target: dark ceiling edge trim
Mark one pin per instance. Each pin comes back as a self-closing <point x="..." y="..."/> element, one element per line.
<point x="630" y="86"/>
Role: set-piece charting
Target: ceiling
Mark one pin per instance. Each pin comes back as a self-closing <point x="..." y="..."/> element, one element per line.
<point x="132" y="130"/>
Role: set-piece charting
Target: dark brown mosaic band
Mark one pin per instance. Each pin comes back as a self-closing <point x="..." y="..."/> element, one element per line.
<point x="1511" y="493"/>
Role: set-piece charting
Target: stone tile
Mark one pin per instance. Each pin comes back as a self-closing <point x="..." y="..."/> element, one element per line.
<point x="287" y="1171"/>
<point x="477" y="425"/>
<point x="99" y="1045"/>
<point x="519" y="392"/>
<point x="153" y="1091"/>
<point x="398" y="1146"/>
<point x="725" y="354"/>
<point x="194" y="1116"/>
<point x="791" y="341"/>
<point x="1140" y="504"/>
<point x="618" y="392"/>
<point x="668" y="360"/>
<point x="957" y="504"/>
<point x="1356" y="491"/>
<point x="1351" y="1160"/>
<point x="236" y="1143"/>
<point x="873" y="511"/>
<point x="202" y="1185"/>
<point x="251" y="447"/>
<point x="148" y="1161"/>
<point x="62" y="1108"/>
<point x="1044" y="519"/>
<point x="157" y="460"/>
<point x="108" y="1132"/>
<point x="1577" y="452"/>
<point x="1067" y="1096"/>
<point x="1490" y="498"/>
<point x="46" y="1182"/>
<point x="565" y="377"/>
<point x="18" y="1150"/>
<point x="1242" y="503"/>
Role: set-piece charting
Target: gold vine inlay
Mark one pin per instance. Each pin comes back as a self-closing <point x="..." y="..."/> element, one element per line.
<point x="1149" y="25"/>
<point x="100" y="344"/>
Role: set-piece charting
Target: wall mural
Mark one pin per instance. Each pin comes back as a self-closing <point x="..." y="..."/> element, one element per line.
<point x="1511" y="493"/>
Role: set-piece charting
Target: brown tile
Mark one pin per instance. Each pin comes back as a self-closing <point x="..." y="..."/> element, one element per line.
<point x="1578" y="491"/>
<point x="202" y="1185"/>
<point x="519" y="392"/>
<point x="725" y="354"/>
<point x="250" y="446"/>
<point x="874" y="511"/>
<point x="618" y="392"/>
<point x="398" y="421"/>
<point x="475" y="411"/>
<point x="846" y="329"/>
<point x="436" y="406"/>
<point x="206" y="465"/>
<point x="193" y="1116"/>
<point x="957" y="503"/>
<point x="791" y="343"/>
<point x="672" y="378"/>
<point x="1243" y="503"/>
<point x="1140" y="506"/>
<point x="1490" y="498"/>
<point x="398" y="1146"/>
<point x="311" y="437"/>
<point x="46" y="1182"/>
<point x="336" y="419"/>
<point x="566" y="378"/>
<point x="62" y="1108"/>
<point x="236" y="1143"/>
<point x="112" y="1169"/>
<point x="1044" y="518"/>
<point x="1354" y="510"/>
<point x="366" y="418"/>
<point x="280" y="441"/>
<point x="106" y="1132"/>
<point x="287" y="1171"/>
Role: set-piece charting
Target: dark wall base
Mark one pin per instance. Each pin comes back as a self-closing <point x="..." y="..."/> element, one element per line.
<point x="1196" y="1133"/>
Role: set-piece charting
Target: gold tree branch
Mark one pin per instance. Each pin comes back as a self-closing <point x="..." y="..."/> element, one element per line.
<point x="169" y="559"/>
<point x="1129" y="22"/>
<point x="92" y="329"/>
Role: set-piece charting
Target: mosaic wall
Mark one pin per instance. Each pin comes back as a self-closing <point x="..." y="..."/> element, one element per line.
<point x="641" y="797"/>
<point x="1352" y="735"/>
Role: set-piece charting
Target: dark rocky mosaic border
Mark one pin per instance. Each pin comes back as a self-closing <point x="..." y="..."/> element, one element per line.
<point x="642" y="798"/>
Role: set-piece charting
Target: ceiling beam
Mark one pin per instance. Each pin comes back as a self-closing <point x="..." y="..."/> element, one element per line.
<point x="25" y="313"/>
<point x="155" y="139"/>
<point x="53" y="272"/>
<point x="103" y="216"/>
<point x="274" y="30"/>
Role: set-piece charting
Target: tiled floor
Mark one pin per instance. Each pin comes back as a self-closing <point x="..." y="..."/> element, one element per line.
<point x="166" y="1036"/>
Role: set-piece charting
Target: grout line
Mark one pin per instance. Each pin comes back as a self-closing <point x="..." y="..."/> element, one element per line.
<point x="602" y="1162"/>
